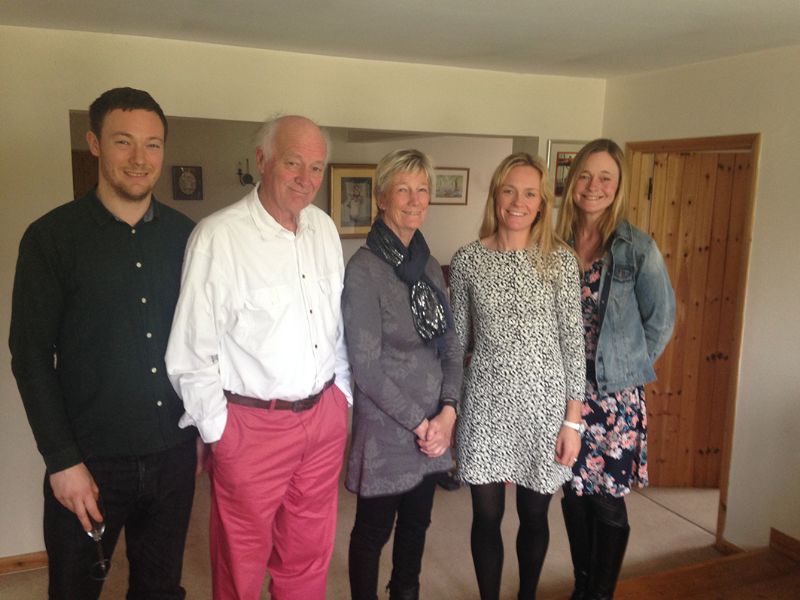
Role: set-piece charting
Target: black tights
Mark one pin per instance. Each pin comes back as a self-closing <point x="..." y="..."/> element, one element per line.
<point x="606" y="509"/>
<point x="488" y="505"/>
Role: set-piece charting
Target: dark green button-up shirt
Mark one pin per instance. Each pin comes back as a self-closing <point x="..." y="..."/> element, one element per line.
<point x="92" y="309"/>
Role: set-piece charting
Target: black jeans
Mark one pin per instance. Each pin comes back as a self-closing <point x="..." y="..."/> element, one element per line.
<point x="371" y="531"/>
<point x="151" y="497"/>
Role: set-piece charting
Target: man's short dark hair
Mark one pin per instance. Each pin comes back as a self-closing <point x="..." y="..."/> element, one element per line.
<point x="123" y="98"/>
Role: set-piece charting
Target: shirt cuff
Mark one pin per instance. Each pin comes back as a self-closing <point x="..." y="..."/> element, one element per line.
<point x="210" y="429"/>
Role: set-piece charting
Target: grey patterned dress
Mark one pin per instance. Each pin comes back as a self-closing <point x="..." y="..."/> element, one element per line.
<point x="527" y="362"/>
<point x="399" y="378"/>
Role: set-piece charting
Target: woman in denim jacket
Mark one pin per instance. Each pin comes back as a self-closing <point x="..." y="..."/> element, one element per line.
<point x="628" y="313"/>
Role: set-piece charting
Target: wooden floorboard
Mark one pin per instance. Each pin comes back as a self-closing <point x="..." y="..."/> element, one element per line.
<point x="786" y="587"/>
<point x="726" y="578"/>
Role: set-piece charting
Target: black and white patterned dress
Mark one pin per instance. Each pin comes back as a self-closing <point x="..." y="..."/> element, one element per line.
<point x="528" y="360"/>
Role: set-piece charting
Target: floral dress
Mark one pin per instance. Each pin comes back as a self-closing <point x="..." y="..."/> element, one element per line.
<point x="614" y="446"/>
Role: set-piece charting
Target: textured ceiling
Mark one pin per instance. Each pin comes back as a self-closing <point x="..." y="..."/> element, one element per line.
<point x="600" y="38"/>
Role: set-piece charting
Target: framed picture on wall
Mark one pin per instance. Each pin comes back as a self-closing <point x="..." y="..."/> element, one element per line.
<point x="187" y="183"/>
<point x="450" y="186"/>
<point x="352" y="196"/>
<point x="560" y="154"/>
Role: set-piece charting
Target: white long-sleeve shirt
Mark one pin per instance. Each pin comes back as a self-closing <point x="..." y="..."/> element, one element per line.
<point x="259" y="312"/>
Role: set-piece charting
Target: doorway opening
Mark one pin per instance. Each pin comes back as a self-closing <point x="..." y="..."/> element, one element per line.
<point x="695" y="197"/>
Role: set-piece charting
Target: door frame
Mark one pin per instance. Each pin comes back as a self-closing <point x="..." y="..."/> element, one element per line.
<point x="749" y="142"/>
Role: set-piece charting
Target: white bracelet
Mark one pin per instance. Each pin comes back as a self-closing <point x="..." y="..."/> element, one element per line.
<point x="576" y="426"/>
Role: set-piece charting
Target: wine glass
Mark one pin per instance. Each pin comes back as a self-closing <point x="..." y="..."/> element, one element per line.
<point x="101" y="567"/>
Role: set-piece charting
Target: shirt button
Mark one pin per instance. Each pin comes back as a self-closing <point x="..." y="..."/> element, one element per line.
<point x="149" y="335"/>
<point x="144" y="300"/>
<point x="315" y="346"/>
<point x="311" y="311"/>
<point x="154" y="370"/>
<point x="133" y="231"/>
<point x="138" y="265"/>
<point x="158" y="403"/>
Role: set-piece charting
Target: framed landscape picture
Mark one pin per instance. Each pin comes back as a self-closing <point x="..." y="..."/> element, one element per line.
<point x="451" y="186"/>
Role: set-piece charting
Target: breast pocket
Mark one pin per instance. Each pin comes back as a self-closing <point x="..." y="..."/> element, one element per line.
<point x="623" y="273"/>
<point x="261" y="314"/>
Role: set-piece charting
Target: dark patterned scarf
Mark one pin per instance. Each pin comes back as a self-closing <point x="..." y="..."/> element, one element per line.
<point x="429" y="308"/>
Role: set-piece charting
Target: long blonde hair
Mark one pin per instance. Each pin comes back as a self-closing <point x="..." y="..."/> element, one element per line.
<point x="567" y="226"/>
<point x="542" y="235"/>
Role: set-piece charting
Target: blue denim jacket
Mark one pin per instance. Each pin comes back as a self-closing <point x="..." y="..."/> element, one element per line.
<point x="637" y="311"/>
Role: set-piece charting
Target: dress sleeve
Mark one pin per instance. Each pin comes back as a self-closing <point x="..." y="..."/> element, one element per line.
<point x="451" y="354"/>
<point x="193" y="350"/>
<point x="36" y="315"/>
<point x="363" y="323"/>
<point x="570" y="324"/>
<point x="459" y="295"/>
<point x="656" y="300"/>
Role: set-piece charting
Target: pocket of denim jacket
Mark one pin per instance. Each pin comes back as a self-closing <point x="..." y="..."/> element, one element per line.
<point x="623" y="273"/>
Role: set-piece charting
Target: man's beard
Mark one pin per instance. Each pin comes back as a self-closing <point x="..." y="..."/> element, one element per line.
<point x="126" y="194"/>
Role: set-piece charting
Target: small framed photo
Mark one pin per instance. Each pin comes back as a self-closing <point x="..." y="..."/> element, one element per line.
<point x="352" y="195"/>
<point x="187" y="183"/>
<point x="451" y="186"/>
<point x="560" y="154"/>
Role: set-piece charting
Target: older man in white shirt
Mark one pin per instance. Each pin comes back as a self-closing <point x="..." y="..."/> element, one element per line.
<point x="257" y="354"/>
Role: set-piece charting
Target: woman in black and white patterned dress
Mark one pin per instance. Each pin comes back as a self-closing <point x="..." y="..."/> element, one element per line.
<point x="516" y="291"/>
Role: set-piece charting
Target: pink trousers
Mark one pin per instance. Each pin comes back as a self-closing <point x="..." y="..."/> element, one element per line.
<point x="274" y="494"/>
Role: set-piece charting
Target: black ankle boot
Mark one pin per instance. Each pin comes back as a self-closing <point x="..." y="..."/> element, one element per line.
<point x="579" y="532"/>
<point x="609" y="551"/>
<point x="403" y="592"/>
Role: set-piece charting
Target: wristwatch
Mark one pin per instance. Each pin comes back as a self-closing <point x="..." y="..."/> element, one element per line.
<point x="448" y="402"/>
<point x="579" y="427"/>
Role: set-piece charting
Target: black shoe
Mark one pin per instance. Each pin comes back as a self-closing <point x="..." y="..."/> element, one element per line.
<point x="397" y="592"/>
<point x="447" y="480"/>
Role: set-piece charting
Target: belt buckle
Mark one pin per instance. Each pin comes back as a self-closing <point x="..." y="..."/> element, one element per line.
<point x="298" y="406"/>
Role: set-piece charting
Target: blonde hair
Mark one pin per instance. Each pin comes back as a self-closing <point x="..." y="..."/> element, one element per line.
<point x="401" y="161"/>
<point x="567" y="226"/>
<point x="542" y="234"/>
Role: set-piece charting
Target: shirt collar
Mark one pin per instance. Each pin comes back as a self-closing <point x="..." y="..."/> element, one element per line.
<point x="266" y="223"/>
<point x="624" y="231"/>
<point x="103" y="216"/>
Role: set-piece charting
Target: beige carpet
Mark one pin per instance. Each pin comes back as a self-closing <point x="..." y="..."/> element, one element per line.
<point x="671" y="527"/>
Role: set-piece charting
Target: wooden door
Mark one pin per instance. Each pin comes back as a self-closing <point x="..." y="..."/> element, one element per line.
<point x="84" y="172"/>
<point x="697" y="205"/>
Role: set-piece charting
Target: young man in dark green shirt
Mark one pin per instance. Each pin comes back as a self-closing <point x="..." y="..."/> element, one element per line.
<point x="96" y="284"/>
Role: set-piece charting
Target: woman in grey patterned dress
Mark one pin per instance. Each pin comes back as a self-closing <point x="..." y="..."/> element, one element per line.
<point x="628" y="312"/>
<point x="516" y="292"/>
<point x="407" y="370"/>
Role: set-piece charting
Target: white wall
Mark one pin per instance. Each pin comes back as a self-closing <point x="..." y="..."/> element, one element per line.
<point x="46" y="74"/>
<point x="747" y="94"/>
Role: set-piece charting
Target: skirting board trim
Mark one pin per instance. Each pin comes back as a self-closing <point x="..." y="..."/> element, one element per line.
<point x="23" y="562"/>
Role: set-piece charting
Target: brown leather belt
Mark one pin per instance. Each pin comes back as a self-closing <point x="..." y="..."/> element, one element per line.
<point x="292" y="405"/>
